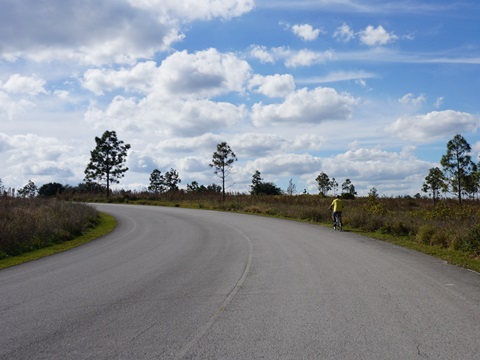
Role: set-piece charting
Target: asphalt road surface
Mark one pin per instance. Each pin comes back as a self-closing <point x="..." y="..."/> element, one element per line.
<point x="174" y="283"/>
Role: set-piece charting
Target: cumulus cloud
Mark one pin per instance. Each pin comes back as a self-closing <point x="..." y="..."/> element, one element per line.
<point x="97" y="32"/>
<point x="273" y="85"/>
<point x="286" y="164"/>
<point x="40" y="157"/>
<point x="262" y="54"/>
<point x="197" y="117"/>
<point x="137" y="78"/>
<point x="308" y="142"/>
<point x="433" y="126"/>
<point x="11" y="108"/>
<point x="306" y="32"/>
<point x="306" y="106"/>
<point x="87" y="31"/>
<point x="30" y="85"/>
<point x="190" y="10"/>
<point x="307" y="57"/>
<point x="376" y="167"/>
<point x="372" y="36"/>
<point x="175" y="97"/>
<point x="196" y="144"/>
<point x="167" y="118"/>
<point x="203" y="74"/>
<point x="410" y="99"/>
<point x="369" y="154"/>
<point x="258" y="145"/>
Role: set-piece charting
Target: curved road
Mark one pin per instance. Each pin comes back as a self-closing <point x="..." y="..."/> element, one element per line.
<point x="173" y="283"/>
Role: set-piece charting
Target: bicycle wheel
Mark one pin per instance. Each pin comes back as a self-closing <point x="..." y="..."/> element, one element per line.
<point x="338" y="222"/>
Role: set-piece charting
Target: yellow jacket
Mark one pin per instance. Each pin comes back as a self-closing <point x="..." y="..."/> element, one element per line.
<point x="337" y="205"/>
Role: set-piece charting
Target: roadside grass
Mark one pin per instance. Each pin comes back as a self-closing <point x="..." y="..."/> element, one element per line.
<point x="106" y="225"/>
<point x="451" y="256"/>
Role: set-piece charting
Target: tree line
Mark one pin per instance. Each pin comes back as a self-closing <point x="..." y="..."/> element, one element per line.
<point x="459" y="176"/>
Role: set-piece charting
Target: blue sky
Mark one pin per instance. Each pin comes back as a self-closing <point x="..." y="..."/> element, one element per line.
<point x="366" y="90"/>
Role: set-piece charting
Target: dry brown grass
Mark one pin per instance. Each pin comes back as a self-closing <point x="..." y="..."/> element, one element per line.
<point x="28" y="224"/>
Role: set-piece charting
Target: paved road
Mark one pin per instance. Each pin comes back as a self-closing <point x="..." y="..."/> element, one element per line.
<point x="190" y="284"/>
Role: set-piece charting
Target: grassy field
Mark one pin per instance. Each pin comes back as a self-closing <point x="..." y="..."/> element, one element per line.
<point x="34" y="228"/>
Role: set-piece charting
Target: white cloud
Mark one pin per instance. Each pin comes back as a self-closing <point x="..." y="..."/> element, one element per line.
<point x="410" y="99"/>
<point x="39" y="158"/>
<point x="344" y="33"/>
<point x="175" y="96"/>
<point x="361" y="82"/>
<point x="285" y="164"/>
<point x="137" y="78"/>
<point x="439" y="102"/>
<point x="262" y="54"/>
<point x="307" y="57"/>
<point x="203" y="74"/>
<point x="10" y="108"/>
<point x="258" y="145"/>
<point x="62" y="94"/>
<point x="87" y="32"/>
<point x="291" y="58"/>
<point x="97" y="32"/>
<point x="433" y="126"/>
<point x="306" y="106"/>
<point x="476" y="149"/>
<point x="376" y="36"/>
<point x="369" y="155"/>
<point x="387" y="171"/>
<point x="159" y="116"/>
<point x="339" y="76"/>
<point x="308" y="142"/>
<point x="190" y="156"/>
<point x="306" y="32"/>
<point x="190" y="10"/>
<point x="273" y="85"/>
<point x="30" y="85"/>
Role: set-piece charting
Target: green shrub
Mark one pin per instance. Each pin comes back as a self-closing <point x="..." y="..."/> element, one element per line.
<point x="471" y="242"/>
<point x="255" y="209"/>
<point x="441" y="238"/>
<point x="425" y="233"/>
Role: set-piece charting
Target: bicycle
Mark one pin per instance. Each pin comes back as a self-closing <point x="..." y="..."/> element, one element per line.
<point x="337" y="225"/>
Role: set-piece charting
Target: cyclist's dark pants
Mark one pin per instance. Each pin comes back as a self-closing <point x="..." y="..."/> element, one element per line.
<point x="334" y="214"/>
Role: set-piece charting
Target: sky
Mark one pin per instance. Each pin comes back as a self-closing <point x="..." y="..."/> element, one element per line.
<point x="365" y="90"/>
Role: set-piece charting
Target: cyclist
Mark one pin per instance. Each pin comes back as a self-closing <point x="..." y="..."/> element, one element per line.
<point x="337" y="205"/>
